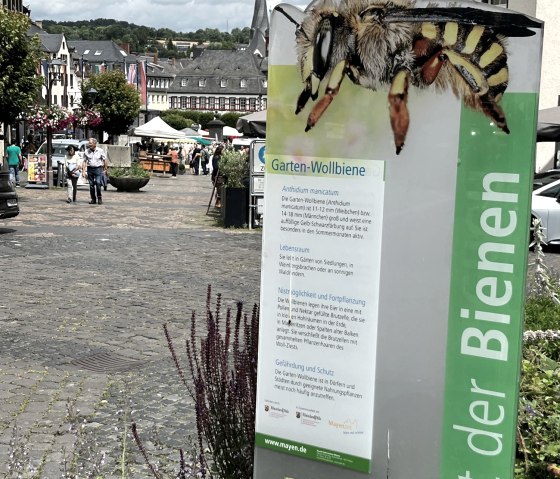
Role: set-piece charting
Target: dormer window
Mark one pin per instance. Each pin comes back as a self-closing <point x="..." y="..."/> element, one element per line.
<point x="223" y="83"/>
<point x="264" y="83"/>
<point x="86" y="52"/>
<point x="183" y="82"/>
<point x="98" y="52"/>
<point x="202" y="82"/>
<point x="243" y="83"/>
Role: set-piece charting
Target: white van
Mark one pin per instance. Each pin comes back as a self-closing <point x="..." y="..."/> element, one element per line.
<point x="242" y="142"/>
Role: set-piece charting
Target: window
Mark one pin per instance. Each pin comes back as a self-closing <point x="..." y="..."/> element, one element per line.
<point x="202" y="82"/>
<point x="98" y="52"/>
<point x="185" y="103"/>
<point x="252" y="104"/>
<point x="202" y="103"/>
<point x="221" y="103"/>
<point x="86" y="52"/>
<point x="193" y="102"/>
<point x="243" y="104"/>
<point x="243" y="83"/>
<point x="264" y="83"/>
<point x="223" y="83"/>
<point x="232" y="103"/>
<point x="211" y="103"/>
<point x="503" y="3"/>
<point x="183" y="82"/>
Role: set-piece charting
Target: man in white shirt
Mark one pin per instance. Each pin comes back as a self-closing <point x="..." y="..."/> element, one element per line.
<point x="95" y="160"/>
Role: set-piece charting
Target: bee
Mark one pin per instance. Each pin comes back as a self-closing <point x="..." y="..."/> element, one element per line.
<point x="390" y="43"/>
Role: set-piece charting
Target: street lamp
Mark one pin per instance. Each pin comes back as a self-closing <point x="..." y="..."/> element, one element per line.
<point x="54" y="75"/>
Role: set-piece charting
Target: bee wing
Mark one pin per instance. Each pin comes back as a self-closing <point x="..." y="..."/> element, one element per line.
<point x="507" y="24"/>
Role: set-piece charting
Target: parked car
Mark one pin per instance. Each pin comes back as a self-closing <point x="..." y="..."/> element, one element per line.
<point x="545" y="205"/>
<point x="9" y="204"/>
<point x="545" y="177"/>
<point x="59" y="152"/>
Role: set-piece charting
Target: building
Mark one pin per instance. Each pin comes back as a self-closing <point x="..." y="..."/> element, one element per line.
<point x="221" y="81"/>
<point x="16" y="6"/>
<point x="225" y="80"/>
<point x="67" y="90"/>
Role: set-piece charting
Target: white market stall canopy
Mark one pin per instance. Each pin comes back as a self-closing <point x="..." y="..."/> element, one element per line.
<point x="157" y="128"/>
<point x="231" y="132"/>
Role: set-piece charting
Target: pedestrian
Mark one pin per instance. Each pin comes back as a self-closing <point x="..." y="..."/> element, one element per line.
<point x="174" y="154"/>
<point x="95" y="160"/>
<point x="13" y="154"/>
<point x="204" y="158"/>
<point x="73" y="169"/>
<point x="196" y="155"/>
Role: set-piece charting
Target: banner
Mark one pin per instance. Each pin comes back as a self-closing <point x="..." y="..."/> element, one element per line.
<point x="37" y="169"/>
<point x="399" y="157"/>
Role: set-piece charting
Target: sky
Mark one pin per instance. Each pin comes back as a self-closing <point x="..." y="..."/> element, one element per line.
<point x="178" y="15"/>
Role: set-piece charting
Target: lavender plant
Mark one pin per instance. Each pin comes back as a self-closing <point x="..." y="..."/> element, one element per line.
<point x="223" y="365"/>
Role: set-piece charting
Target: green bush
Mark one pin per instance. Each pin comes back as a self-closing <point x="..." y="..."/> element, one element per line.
<point x="134" y="171"/>
<point x="541" y="313"/>
<point x="234" y="166"/>
<point x="538" y="448"/>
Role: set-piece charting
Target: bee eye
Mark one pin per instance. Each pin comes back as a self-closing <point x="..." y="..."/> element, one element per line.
<point x="323" y="48"/>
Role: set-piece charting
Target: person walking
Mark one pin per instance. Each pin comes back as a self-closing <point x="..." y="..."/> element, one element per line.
<point x="73" y="169"/>
<point x="204" y="158"/>
<point x="95" y="160"/>
<point x="13" y="154"/>
<point x="196" y="155"/>
<point x="174" y="155"/>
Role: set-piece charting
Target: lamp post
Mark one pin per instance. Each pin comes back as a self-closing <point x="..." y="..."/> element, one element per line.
<point x="92" y="95"/>
<point x="54" y="74"/>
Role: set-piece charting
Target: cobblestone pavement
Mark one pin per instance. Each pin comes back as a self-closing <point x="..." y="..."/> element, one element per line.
<point x="85" y="292"/>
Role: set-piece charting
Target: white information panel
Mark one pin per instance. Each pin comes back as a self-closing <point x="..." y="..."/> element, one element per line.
<point x="319" y="392"/>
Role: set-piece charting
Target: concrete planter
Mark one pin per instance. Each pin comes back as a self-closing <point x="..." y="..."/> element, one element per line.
<point x="127" y="183"/>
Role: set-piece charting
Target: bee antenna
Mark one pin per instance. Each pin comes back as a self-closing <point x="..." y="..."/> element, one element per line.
<point x="288" y="16"/>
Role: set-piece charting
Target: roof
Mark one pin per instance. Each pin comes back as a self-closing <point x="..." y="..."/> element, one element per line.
<point x="100" y="51"/>
<point x="51" y="42"/>
<point x="216" y="66"/>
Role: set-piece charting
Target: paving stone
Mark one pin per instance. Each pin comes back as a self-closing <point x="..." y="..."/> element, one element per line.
<point x="112" y="277"/>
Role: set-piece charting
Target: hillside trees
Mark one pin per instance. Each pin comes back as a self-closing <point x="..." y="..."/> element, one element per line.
<point x="141" y="37"/>
<point x="19" y="58"/>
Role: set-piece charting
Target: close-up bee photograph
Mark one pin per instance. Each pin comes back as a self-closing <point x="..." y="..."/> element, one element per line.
<point x="400" y="48"/>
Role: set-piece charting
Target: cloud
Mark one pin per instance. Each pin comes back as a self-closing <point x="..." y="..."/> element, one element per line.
<point x="178" y="15"/>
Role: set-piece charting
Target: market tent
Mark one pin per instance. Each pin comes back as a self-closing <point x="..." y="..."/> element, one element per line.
<point x="157" y="128"/>
<point x="189" y="132"/>
<point x="548" y="127"/>
<point x="253" y="125"/>
<point x="229" y="132"/>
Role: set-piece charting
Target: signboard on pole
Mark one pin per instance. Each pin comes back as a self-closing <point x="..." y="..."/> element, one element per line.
<point x="397" y="202"/>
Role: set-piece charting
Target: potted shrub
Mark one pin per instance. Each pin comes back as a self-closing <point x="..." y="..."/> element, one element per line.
<point x="234" y="168"/>
<point x="128" y="179"/>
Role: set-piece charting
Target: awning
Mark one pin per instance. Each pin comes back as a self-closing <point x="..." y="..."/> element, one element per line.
<point x="253" y="125"/>
<point x="548" y="127"/>
<point x="157" y="128"/>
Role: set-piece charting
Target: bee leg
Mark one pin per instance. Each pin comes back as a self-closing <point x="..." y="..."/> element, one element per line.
<point x="495" y="112"/>
<point x="331" y="91"/>
<point x="302" y="99"/>
<point x="398" y="111"/>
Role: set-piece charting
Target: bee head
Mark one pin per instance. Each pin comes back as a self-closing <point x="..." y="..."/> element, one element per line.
<point x="323" y="42"/>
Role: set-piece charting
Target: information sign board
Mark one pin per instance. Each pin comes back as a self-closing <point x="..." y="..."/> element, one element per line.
<point x="394" y="252"/>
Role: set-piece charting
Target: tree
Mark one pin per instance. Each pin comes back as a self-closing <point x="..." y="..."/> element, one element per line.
<point x="116" y="100"/>
<point x="19" y="58"/>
